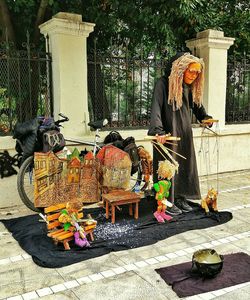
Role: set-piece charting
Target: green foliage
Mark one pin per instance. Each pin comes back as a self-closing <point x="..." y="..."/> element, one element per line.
<point x="166" y="24"/>
<point x="2" y="91"/>
<point x="156" y="24"/>
<point x="232" y="17"/>
<point x="23" y="15"/>
<point x="143" y="27"/>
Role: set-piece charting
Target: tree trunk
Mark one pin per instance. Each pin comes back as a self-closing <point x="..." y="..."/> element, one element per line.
<point x="24" y="74"/>
<point x="27" y="96"/>
<point x="39" y="20"/>
<point x="6" y="23"/>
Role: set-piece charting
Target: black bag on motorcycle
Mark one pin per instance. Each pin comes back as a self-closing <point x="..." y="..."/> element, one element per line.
<point x="26" y="135"/>
<point x="22" y="130"/>
<point x="115" y="139"/>
<point x="53" y="140"/>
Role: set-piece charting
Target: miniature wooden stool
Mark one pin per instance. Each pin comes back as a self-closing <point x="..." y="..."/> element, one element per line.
<point x="118" y="198"/>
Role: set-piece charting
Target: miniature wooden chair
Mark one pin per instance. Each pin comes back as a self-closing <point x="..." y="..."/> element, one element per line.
<point x="56" y="230"/>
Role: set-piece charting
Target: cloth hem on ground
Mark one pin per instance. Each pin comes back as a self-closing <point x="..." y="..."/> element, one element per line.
<point x="126" y="233"/>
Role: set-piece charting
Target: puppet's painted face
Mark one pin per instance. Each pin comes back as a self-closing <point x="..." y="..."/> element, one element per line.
<point x="191" y="73"/>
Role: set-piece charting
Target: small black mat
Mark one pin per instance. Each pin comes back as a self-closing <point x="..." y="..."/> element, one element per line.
<point x="236" y="270"/>
<point x="126" y="233"/>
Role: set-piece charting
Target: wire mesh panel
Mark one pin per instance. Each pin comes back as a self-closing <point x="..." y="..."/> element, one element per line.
<point x="238" y="91"/>
<point x="120" y="86"/>
<point x="25" y="85"/>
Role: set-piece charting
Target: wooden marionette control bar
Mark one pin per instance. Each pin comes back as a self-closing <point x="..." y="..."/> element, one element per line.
<point x="118" y="198"/>
<point x="210" y="121"/>
<point x="168" y="138"/>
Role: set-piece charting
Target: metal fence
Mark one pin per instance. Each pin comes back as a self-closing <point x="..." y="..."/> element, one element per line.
<point x="25" y="84"/>
<point x="238" y="91"/>
<point x="120" y="86"/>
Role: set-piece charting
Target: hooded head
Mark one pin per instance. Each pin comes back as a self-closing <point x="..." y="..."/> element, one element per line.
<point x="181" y="63"/>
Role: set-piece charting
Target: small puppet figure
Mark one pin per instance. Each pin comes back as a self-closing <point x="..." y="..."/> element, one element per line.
<point x="210" y="201"/>
<point x="162" y="192"/>
<point x="165" y="171"/>
<point x="80" y="237"/>
<point x="147" y="165"/>
<point x="69" y="217"/>
<point x="79" y="241"/>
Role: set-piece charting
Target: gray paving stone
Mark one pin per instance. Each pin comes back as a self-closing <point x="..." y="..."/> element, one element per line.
<point x="117" y="282"/>
<point x="89" y="267"/>
<point x="24" y="276"/>
<point x="126" y="286"/>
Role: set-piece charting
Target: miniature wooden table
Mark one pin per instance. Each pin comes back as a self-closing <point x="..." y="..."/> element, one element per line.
<point x="118" y="198"/>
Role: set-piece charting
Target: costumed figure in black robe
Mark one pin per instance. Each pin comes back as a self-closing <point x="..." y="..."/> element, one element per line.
<point x="177" y="95"/>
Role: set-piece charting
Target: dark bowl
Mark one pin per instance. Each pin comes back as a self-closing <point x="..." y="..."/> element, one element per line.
<point x="207" y="263"/>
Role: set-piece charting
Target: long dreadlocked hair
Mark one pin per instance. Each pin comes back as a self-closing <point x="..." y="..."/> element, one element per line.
<point x="176" y="79"/>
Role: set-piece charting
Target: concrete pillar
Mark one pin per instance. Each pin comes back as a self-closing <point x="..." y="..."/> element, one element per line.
<point x="67" y="44"/>
<point x="212" y="46"/>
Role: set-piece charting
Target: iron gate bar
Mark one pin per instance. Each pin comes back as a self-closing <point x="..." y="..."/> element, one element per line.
<point x="238" y="86"/>
<point x="25" y="75"/>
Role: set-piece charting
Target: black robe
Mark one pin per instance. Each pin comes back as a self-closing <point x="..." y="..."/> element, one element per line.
<point x="178" y="123"/>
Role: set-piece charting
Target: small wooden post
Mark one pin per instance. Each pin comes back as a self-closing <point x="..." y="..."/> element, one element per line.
<point x="107" y="209"/>
<point x="136" y="210"/>
<point x="113" y="213"/>
<point x="131" y="209"/>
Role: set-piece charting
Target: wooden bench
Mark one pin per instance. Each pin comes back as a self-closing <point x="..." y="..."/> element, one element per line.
<point x="117" y="198"/>
<point x="56" y="230"/>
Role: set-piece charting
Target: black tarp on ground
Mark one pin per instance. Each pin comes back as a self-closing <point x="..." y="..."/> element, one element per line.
<point x="126" y="233"/>
<point x="236" y="270"/>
